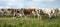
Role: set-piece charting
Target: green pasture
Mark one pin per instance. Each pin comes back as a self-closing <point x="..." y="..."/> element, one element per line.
<point x="29" y="22"/>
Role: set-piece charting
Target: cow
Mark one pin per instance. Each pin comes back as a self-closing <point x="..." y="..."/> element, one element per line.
<point x="36" y="13"/>
<point x="8" y="12"/>
<point x="1" y="12"/>
<point x="18" y="13"/>
<point x="48" y="12"/>
<point x="57" y="11"/>
<point x="12" y="12"/>
<point x="28" y="12"/>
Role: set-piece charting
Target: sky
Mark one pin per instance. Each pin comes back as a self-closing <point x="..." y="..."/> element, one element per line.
<point x="29" y="3"/>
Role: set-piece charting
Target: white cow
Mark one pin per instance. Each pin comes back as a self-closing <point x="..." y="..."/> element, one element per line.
<point x="50" y="12"/>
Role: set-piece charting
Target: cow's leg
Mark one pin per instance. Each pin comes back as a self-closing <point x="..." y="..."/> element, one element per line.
<point x="49" y="15"/>
<point x="28" y="15"/>
<point x="17" y="15"/>
<point x="14" y="15"/>
<point x="2" y="14"/>
<point x="35" y="15"/>
<point x="25" y="16"/>
<point x="38" y="15"/>
<point x="20" y="15"/>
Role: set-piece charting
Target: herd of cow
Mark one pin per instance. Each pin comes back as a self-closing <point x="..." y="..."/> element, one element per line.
<point x="28" y="12"/>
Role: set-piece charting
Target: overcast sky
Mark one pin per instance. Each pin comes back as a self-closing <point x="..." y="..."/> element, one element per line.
<point x="30" y="3"/>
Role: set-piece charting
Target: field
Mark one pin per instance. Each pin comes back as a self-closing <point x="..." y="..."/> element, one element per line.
<point x="29" y="22"/>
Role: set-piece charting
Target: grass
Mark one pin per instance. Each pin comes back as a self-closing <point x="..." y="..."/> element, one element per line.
<point x="29" y="22"/>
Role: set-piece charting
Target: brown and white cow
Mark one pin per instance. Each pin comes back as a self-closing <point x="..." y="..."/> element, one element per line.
<point x="1" y="12"/>
<point x="8" y="12"/>
<point x="28" y="12"/>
